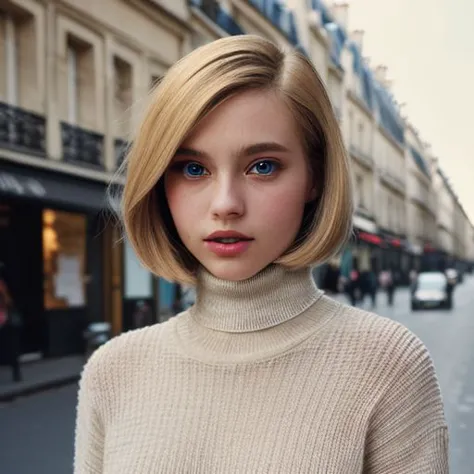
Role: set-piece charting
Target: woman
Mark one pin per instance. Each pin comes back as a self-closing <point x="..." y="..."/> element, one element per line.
<point x="238" y="182"/>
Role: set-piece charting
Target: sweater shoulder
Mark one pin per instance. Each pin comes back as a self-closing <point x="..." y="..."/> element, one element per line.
<point x="356" y="322"/>
<point x="384" y="342"/>
<point x="131" y="348"/>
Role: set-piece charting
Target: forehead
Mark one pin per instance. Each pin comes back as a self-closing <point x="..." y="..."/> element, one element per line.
<point x="251" y="116"/>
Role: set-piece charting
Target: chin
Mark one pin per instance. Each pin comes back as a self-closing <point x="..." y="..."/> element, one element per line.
<point x="234" y="270"/>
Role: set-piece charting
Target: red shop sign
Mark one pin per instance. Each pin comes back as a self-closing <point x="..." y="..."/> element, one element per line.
<point x="371" y="238"/>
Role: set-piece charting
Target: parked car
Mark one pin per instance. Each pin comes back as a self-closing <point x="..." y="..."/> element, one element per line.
<point x="432" y="290"/>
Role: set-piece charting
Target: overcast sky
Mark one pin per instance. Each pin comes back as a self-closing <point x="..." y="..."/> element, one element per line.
<point x="428" y="46"/>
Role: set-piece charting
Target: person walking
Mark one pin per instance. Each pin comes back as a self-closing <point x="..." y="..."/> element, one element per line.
<point x="10" y="328"/>
<point x="387" y="283"/>
<point x="238" y="181"/>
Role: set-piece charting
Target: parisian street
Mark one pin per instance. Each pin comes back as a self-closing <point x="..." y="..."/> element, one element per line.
<point x="37" y="432"/>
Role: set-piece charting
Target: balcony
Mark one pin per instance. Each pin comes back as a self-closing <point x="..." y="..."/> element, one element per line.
<point x="361" y="157"/>
<point x="218" y="15"/>
<point x="394" y="182"/>
<point x="280" y="16"/>
<point x="120" y="151"/>
<point x="21" y="130"/>
<point x="81" y="146"/>
<point x="425" y="203"/>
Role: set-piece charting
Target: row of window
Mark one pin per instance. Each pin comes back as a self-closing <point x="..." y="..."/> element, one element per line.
<point x="19" y="70"/>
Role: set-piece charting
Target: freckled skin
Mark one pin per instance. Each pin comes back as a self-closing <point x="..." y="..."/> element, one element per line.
<point x="230" y="192"/>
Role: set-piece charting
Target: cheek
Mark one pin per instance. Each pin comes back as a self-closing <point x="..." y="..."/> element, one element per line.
<point x="187" y="207"/>
<point x="284" y="209"/>
<point x="178" y="202"/>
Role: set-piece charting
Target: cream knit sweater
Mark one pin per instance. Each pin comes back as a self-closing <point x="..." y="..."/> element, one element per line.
<point x="266" y="375"/>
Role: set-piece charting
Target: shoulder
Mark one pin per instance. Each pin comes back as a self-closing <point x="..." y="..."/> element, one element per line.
<point x="385" y="346"/>
<point x="358" y="323"/>
<point x="123" y="352"/>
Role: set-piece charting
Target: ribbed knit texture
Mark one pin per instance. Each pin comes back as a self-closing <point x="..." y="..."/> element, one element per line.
<point x="266" y="375"/>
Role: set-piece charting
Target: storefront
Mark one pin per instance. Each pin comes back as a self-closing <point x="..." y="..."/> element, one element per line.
<point x="52" y="242"/>
<point x="366" y="245"/>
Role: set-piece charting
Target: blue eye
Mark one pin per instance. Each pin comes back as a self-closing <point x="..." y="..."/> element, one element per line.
<point x="264" y="167"/>
<point x="194" y="170"/>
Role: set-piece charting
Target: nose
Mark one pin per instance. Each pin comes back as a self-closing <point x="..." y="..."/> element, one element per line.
<point x="227" y="201"/>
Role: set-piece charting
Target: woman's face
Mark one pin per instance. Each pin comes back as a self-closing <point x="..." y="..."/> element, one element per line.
<point x="238" y="185"/>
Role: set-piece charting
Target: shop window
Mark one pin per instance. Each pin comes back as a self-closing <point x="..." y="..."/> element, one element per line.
<point x="64" y="259"/>
<point x="138" y="281"/>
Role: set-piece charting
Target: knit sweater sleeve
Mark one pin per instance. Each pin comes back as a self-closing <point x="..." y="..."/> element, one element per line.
<point x="408" y="432"/>
<point x="89" y="435"/>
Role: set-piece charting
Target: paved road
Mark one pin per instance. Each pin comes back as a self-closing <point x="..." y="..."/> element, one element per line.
<point x="37" y="433"/>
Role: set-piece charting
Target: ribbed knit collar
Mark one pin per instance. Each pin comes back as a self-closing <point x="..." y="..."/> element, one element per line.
<point x="271" y="297"/>
<point x="250" y="320"/>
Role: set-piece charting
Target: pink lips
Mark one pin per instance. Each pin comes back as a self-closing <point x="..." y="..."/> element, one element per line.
<point x="227" y="249"/>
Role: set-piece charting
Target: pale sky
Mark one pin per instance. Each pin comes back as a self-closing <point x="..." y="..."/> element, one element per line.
<point x="428" y="47"/>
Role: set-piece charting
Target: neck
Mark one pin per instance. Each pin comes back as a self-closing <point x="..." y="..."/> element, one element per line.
<point x="253" y="318"/>
<point x="271" y="297"/>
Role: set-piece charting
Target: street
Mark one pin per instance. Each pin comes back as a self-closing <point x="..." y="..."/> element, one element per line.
<point x="37" y="432"/>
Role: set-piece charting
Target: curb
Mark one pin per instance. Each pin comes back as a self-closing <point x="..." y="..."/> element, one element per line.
<point x="37" y="388"/>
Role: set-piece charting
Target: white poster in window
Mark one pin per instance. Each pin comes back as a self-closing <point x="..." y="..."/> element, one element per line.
<point x="68" y="281"/>
<point x="138" y="281"/>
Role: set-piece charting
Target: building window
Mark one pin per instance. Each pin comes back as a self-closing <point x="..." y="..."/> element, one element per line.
<point x="64" y="259"/>
<point x="360" y="191"/>
<point x="72" y="86"/>
<point x="122" y="96"/>
<point x="361" y="136"/>
<point x="351" y="122"/>
<point x="81" y="101"/>
<point x="11" y="59"/>
<point x="18" y="66"/>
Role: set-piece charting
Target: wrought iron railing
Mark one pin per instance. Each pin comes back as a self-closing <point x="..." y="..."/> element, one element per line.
<point x="280" y="16"/>
<point x="21" y="130"/>
<point x="218" y="15"/>
<point x="82" y="146"/>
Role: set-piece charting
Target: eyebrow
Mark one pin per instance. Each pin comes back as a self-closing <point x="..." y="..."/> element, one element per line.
<point x="245" y="151"/>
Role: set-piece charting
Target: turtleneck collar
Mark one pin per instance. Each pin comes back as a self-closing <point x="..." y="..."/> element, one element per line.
<point x="271" y="297"/>
<point x="253" y="319"/>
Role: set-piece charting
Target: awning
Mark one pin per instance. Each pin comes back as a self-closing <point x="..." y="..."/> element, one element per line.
<point x="51" y="187"/>
<point x="364" y="224"/>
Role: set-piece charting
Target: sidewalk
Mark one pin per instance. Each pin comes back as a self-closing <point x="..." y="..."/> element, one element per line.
<point x="40" y="375"/>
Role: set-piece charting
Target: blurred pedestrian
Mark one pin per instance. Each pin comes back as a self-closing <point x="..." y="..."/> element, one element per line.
<point x="369" y="287"/>
<point x="10" y="327"/>
<point x="353" y="285"/>
<point x="387" y="282"/>
<point x="238" y="181"/>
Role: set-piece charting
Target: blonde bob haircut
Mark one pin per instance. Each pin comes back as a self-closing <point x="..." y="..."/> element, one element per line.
<point x="191" y="89"/>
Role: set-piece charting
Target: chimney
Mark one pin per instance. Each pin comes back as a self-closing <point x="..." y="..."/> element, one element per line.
<point x="341" y="14"/>
<point x="358" y="37"/>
